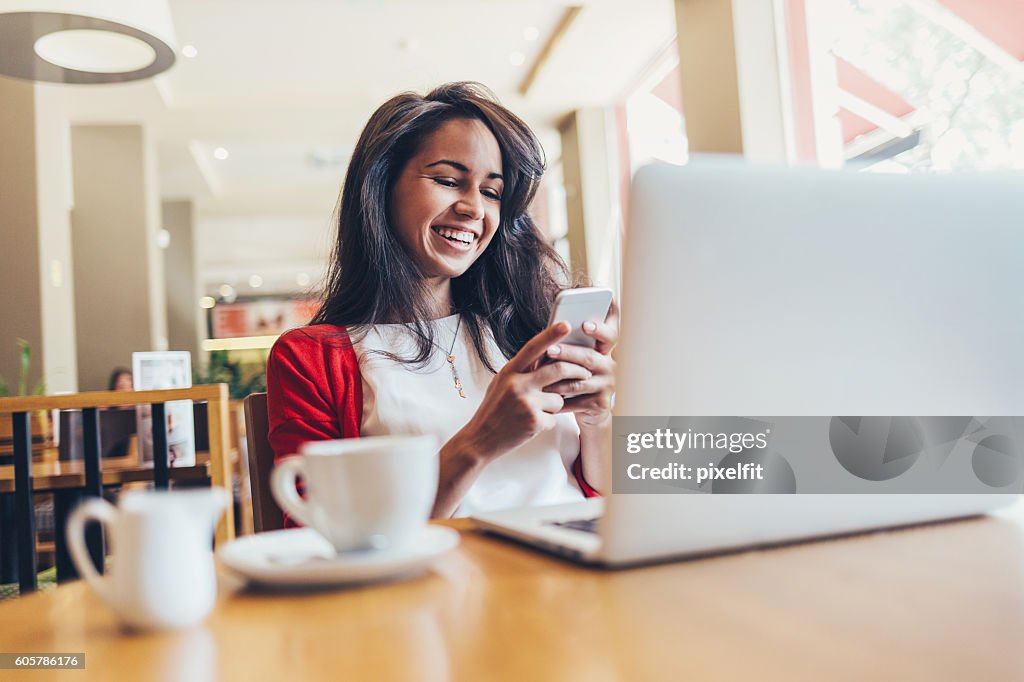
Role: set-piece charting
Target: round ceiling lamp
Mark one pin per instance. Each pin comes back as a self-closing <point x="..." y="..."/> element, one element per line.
<point x="113" y="41"/>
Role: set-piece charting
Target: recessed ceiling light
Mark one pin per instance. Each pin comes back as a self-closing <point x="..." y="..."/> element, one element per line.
<point x="163" y="239"/>
<point x="530" y="34"/>
<point x="227" y="293"/>
<point x="207" y="302"/>
<point x="189" y="51"/>
<point x="255" y="281"/>
<point x="516" y="58"/>
<point x="302" y="279"/>
<point x="220" y="153"/>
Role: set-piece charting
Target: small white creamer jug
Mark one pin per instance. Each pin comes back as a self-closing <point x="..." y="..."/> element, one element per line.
<point x="162" y="573"/>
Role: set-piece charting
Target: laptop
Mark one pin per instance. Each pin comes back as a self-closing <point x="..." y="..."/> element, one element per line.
<point x="754" y="290"/>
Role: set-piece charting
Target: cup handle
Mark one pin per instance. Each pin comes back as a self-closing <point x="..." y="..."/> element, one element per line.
<point x="93" y="510"/>
<point x="282" y="485"/>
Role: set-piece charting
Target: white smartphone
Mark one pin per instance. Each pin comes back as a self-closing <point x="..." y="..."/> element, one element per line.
<point x="577" y="306"/>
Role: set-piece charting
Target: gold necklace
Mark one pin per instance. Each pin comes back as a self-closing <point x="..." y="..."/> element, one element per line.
<point x="451" y="360"/>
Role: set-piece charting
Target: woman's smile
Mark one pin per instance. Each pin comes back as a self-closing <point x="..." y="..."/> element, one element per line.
<point x="458" y="238"/>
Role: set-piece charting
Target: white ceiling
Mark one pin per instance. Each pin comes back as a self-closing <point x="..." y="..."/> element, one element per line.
<point x="285" y="87"/>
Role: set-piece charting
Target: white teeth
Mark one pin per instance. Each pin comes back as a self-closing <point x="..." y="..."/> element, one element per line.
<point x="459" y="235"/>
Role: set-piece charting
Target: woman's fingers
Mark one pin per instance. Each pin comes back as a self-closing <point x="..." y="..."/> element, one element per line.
<point x="605" y="333"/>
<point x="551" y="403"/>
<point x="535" y="348"/>
<point x="571" y="388"/>
<point x="589" y="358"/>
<point x="558" y="371"/>
<point x="592" y="403"/>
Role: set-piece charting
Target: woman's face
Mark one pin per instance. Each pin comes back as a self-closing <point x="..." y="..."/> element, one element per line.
<point x="123" y="382"/>
<point x="446" y="204"/>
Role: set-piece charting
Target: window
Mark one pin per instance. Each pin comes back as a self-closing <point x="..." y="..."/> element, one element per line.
<point x="908" y="85"/>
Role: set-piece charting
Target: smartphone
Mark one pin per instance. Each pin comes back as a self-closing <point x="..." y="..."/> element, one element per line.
<point x="577" y="306"/>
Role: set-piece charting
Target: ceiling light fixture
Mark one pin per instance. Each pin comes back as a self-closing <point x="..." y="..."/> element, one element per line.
<point x="255" y="281"/>
<point x="516" y="58"/>
<point x="530" y="34"/>
<point x="189" y="51"/>
<point x="220" y="153"/>
<point x="110" y="41"/>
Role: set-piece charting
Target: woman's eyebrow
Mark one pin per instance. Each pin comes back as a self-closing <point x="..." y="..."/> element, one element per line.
<point x="462" y="167"/>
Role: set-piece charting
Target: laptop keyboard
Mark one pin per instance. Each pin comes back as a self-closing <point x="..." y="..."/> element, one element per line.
<point x="584" y="525"/>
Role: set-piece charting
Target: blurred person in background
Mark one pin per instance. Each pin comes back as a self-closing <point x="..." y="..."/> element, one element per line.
<point x="120" y="380"/>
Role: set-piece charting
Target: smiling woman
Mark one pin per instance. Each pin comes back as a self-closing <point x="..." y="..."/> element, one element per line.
<point x="435" y="312"/>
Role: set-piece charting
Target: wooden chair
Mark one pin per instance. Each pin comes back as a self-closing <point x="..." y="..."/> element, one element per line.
<point x="266" y="514"/>
<point x="68" y="479"/>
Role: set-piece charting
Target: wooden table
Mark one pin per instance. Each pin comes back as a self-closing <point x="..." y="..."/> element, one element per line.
<point x="49" y="476"/>
<point x="943" y="602"/>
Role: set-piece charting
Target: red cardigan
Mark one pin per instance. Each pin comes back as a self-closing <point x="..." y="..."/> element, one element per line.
<point x="315" y="392"/>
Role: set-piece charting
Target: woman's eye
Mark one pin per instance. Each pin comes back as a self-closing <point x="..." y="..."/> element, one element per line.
<point x="492" y="194"/>
<point x="446" y="182"/>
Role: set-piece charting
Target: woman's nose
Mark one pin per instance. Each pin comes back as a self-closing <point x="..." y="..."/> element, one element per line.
<point x="470" y="205"/>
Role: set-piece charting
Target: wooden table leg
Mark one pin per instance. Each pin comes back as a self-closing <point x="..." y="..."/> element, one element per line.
<point x="8" y="537"/>
<point x="93" y="480"/>
<point x="64" y="501"/>
<point x="25" y="513"/>
<point x="161" y="455"/>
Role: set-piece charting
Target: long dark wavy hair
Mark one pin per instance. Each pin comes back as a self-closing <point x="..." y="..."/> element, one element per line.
<point x="372" y="279"/>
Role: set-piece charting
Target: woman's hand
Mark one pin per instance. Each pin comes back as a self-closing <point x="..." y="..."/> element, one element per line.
<point x="516" y="406"/>
<point x="590" y="399"/>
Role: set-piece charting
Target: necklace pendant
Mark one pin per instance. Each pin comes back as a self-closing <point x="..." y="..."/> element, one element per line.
<point x="450" y="357"/>
<point x="455" y="378"/>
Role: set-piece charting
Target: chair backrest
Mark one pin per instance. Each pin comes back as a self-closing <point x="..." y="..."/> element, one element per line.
<point x="91" y="477"/>
<point x="266" y="514"/>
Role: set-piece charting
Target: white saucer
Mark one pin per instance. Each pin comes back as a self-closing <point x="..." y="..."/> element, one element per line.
<point x="302" y="557"/>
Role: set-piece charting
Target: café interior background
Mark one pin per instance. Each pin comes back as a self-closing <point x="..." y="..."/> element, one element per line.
<point x="192" y="210"/>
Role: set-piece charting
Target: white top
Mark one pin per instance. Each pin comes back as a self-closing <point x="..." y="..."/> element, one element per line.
<point x="399" y="399"/>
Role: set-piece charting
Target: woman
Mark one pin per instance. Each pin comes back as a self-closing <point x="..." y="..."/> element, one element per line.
<point x="120" y="380"/>
<point x="437" y="298"/>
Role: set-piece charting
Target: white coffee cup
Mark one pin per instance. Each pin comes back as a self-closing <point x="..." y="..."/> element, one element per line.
<point x="162" y="572"/>
<point x="362" y="493"/>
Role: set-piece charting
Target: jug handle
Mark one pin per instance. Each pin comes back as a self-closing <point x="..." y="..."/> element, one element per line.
<point x="94" y="510"/>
